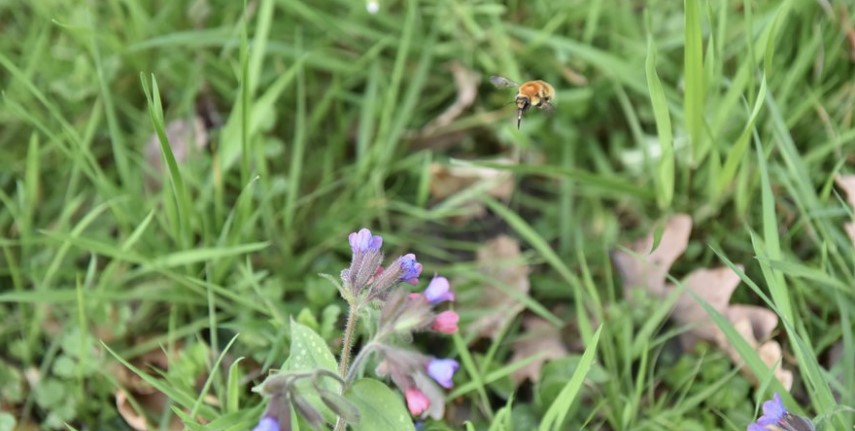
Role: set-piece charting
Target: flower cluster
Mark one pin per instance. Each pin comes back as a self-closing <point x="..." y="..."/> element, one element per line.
<point x="777" y="418"/>
<point x="365" y="278"/>
<point x="368" y="288"/>
<point x="416" y="374"/>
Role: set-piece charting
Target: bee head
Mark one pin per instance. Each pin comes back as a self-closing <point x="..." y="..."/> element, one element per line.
<point x="523" y="103"/>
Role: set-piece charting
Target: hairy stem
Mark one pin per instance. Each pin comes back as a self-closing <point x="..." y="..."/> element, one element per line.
<point x="347" y="341"/>
<point x="357" y="362"/>
<point x="344" y="360"/>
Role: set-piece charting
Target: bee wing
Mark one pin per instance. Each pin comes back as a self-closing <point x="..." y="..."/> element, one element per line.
<point x="502" y="82"/>
<point x="791" y="422"/>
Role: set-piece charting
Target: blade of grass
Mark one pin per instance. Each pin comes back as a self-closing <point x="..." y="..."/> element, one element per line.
<point x="557" y="412"/>
<point x="695" y="86"/>
<point x="473" y="372"/>
<point x="180" y="216"/>
<point x="665" y="171"/>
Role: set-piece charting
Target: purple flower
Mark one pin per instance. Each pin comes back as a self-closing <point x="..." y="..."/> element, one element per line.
<point x="410" y="269"/>
<point x="365" y="262"/>
<point x="438" y="291"/>
<point x="776" y="417"/>
<point x="442" y="370"/>
<point x="267" y="423"/>
<point x="773" y="412"/>
<point x="363" y="241"/>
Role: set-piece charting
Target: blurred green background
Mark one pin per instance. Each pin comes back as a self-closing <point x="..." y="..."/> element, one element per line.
<point x="284" y="125"/>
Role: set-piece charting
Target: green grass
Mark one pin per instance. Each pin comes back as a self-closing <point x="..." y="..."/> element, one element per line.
<point x="736" y="113"/>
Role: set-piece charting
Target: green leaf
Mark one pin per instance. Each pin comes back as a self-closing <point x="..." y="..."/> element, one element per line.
<point x="7" y="421"/>
<point x="310" y="352"/>
<point x="306" y="317"/>
<point x="64" y="366"/>
<point x="380" y="408"/>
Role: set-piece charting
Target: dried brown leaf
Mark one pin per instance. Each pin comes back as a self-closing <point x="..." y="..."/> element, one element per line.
<point x="763" y="320"/>
<point x="185" y="138"/>
<point x="573" y="77"/>
<point x="155" y="402"/>
<point x="466" y="82"/>
<point x="499" y="259"/>
<point x="849" y="227"/>
<point x="847" y="184"/>
<point x="837" y="368"/>
<point x="437" y="134"/>
<point x="772" y="355"/>
<point x="715" y="286"/>
<point x="755" y="324"/>
<point x="540" y="338"/>
<point x="848" y="29"/>
<point x="646" y="269"/>
<point x="147" y="399"/>
<point x="134" y="419"/>
<point x="449" y="180"/>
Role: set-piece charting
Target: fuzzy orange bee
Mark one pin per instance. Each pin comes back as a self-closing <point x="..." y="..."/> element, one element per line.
<point x="532" y="93"/>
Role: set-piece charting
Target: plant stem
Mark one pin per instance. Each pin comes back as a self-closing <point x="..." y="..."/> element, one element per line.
<point x="344" y="360"/>
<point x="357" y="361"/>
<point x="347" y="341"/>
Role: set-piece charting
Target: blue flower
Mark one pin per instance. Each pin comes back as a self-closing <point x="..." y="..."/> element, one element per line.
<point x="410" y="269"/>
<point x="363" y="241"/>
<point x="267" y="423"/>
<point x="442" y="370"/>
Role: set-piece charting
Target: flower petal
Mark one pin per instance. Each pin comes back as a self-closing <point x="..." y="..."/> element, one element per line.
<point x="439" y="290"/>
<point x="442" y="370"/>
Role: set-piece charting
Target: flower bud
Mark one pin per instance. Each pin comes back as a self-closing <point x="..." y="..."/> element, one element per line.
<point x="403" y="269"/>
<point x="417" y="402"/>
<point x="445" y="322"/>
<point x="365" y="262"/>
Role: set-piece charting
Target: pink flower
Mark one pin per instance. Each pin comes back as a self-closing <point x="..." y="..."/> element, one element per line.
<point x="417" y="401"/>
<point x="442" y="370"/>
<point x="438" y="291"/>
<point x="445" y="322"/>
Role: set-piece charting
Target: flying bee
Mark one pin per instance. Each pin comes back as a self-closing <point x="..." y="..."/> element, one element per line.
<point x="532" y="93"/>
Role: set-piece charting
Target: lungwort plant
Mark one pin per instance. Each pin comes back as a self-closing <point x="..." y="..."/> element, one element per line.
<point x="314" y="388"/>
